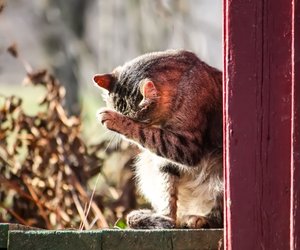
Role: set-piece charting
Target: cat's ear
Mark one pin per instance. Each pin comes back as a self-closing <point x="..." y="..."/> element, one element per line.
<point x="148" y="89"/>
<point x="104" y="81"/>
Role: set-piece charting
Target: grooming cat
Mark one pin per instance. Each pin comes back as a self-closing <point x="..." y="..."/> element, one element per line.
<point x="170" y="104"/>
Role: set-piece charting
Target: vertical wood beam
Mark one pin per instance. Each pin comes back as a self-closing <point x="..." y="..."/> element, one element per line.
<point x="258" y="81"/>
<point x="295" y="164"/>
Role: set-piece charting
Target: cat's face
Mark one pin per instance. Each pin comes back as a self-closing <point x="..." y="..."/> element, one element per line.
<point x="132" y="95"/>
<point x="145" y="88"/>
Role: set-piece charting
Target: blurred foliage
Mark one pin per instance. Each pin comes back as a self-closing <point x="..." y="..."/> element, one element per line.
<point x="46" y="167"/>
<point x="2" y="5"/>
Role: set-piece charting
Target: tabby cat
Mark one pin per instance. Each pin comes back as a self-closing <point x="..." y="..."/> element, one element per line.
<point x="170" y="104"/>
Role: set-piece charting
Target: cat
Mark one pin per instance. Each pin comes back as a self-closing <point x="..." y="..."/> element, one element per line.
<point x="170" y="104"/>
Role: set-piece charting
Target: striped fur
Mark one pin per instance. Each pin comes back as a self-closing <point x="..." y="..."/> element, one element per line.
<point x="180" y="133"/>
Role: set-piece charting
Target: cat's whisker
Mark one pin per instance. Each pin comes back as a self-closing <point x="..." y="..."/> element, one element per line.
<point x="107" y="133"/>
<point x="115" y="142"/>
<point x="110" y="141"/>
<point x="119" y="141"/>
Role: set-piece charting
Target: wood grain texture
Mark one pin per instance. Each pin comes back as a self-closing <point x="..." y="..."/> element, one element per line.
<point x="257" y="105"/>
<point x="295" y="166"/>
<point x="199" y="239"/>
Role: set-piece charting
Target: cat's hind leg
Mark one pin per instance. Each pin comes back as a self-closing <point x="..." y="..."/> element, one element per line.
<point x="212" y="220"/>
<point x="193" y="222"/>
<point x="215" y="217"/>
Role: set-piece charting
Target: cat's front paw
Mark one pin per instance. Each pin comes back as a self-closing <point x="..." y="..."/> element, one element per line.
<point x="146" y="219"/>
<point x="111" y="119"/>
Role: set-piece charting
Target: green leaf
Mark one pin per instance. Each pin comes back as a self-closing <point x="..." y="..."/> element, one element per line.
<point x="120" y="224"/>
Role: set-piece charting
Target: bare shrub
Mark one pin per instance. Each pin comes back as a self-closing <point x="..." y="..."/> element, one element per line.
<point x="45" y="165"/>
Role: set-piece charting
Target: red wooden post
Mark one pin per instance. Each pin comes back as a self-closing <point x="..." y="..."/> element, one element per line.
<point x="262" y="109"/>
<point x="295" y="173"/>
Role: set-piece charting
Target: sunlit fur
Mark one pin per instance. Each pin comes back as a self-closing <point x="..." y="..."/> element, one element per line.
<point x="180" y="134"/>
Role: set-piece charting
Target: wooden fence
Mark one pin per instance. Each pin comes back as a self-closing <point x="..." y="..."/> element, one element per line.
<point x="261" y="114"/>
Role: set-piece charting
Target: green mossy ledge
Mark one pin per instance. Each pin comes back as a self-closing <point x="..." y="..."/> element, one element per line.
<point x="6" y="227"/>
<point x="111" y="239"/>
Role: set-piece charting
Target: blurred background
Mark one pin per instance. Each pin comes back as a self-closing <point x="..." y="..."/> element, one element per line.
<point x="52" y="149"/>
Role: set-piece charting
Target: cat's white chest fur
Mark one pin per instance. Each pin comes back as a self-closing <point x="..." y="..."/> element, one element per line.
<point x="197" y="186"/>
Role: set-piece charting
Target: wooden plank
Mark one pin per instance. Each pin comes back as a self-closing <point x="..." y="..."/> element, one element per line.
<point x="116" y="239"/>
<point x="161" y="239"/>
<point x="4" y="229"/>
<point x="257" y="106"/>
<point x="295" y="178"/>
<point x="50" y="239"/>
